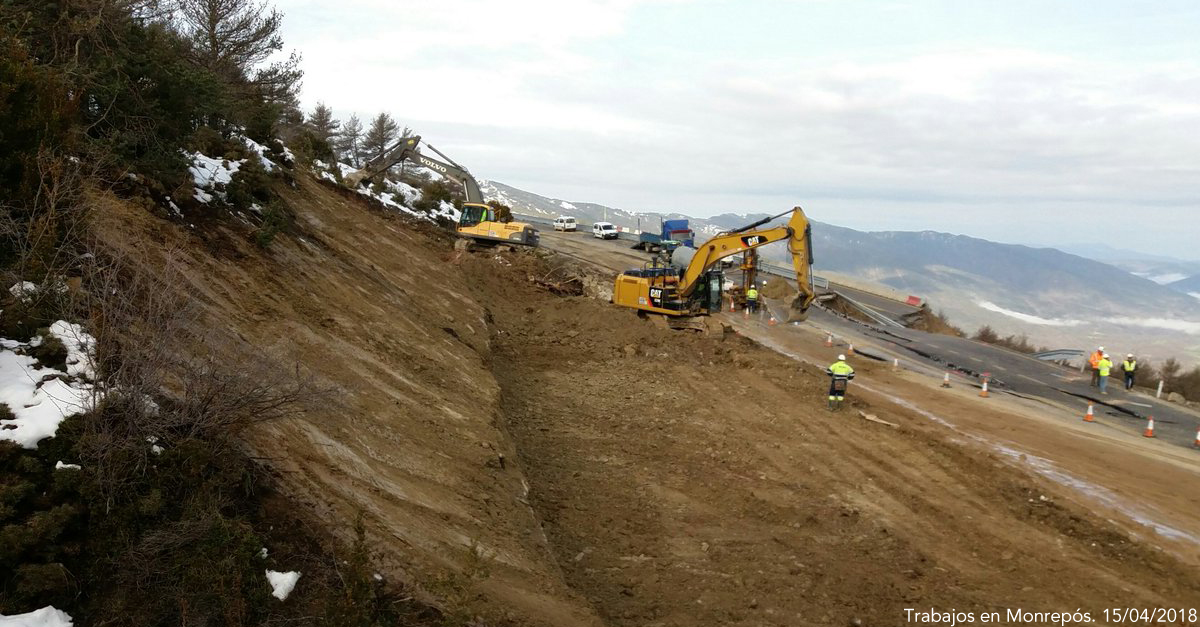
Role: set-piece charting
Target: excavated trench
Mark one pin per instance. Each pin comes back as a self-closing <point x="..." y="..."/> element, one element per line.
<point x="686" y="479"/>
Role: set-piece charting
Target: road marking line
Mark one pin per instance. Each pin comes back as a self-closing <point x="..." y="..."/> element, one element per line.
<point x="1030" y="379"/>
<point x="976" y="359"/>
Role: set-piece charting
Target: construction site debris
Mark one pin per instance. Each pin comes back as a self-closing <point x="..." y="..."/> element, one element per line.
<point x="876" y="419"/>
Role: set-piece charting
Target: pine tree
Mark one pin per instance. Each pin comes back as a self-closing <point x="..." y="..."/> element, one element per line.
<point x="231" y="36"/>
<point x="380" y="136"/>
<point x="236" y="40"/>
<point x="349" y="141"/>
<point x="324" y="126"/>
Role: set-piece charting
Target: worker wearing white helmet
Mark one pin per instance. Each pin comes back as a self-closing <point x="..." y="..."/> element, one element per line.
<point x="1128" y="367"/>
<point x="1103" y="369"/>
<point x="1094" y="362"/>
<point x="840" y="374"/>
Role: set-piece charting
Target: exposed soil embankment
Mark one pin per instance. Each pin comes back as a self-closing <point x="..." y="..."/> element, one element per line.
<point x="697" y="480"/>
<point x="377" y="311"/>
<point x="681" y="479"/>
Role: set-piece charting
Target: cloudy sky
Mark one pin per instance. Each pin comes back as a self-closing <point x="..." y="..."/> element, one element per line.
<point x="1032" y="121"/>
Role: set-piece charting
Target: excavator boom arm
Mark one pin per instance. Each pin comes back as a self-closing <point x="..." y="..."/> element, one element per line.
<point x="406" y="150"/>
<point x="722" y="246"/>
<point x="798" y="235"/>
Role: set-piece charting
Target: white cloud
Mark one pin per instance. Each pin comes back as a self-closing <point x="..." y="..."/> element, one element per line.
<point x="581" y="98"/>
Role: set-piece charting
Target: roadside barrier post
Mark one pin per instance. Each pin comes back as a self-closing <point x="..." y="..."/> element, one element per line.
<point x="1160" y="387"/>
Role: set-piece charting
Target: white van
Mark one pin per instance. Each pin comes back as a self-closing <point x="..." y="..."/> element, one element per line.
<point x="564" y="223"/>
<point x="604" y="230"/>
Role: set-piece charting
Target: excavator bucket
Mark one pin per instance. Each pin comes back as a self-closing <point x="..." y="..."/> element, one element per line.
<point x="798" y="310"/>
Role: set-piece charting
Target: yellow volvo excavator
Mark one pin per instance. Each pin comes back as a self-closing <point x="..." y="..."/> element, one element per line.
<point x="478" y="220"/>
<point x="688" y="285"/>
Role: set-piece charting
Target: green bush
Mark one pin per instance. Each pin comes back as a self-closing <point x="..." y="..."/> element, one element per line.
<point x="276" y="219"/>
<point x="432" y="195"/>
<point x="250" y="185"/>
<point x="22" y="318"/>
<point x="306" y="146"/>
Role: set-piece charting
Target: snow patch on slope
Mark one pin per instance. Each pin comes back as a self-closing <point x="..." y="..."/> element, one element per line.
<point x="208" y="173"/>
<point x="41" y="398"/>
<point x="46" y="617"/>
<point x="1031" y="319"/>
<point x="282" y="584"/>
<point x="1170" y="277"/>
<point x="1186" y="326"/>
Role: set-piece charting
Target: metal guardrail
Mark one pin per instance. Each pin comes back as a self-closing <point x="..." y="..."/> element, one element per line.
<point x="1061" y="353"/>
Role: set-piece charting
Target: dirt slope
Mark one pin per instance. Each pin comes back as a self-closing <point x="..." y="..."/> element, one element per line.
<point x="680" y="479"/>
<point x="690" y="480"/>
<point x="376" y="310"/>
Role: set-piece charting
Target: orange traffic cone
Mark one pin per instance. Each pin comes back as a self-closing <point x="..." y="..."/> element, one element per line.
<point x="983" y="390"/>
<point x="745" y="312"/>
<point x="896" y="364"/>
<point x="771" y="322"/>
<point x="850" y="350"/>
<point x="829" y="339"/>
<point x="1149" y="433"/>
<point x="1089" y="416"/>
<point x="946" y="380"/>
<point x="1196" y="444"/>
<point x="732" y="306"/>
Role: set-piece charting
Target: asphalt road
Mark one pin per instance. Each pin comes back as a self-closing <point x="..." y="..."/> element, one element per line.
<point x="1016" y="373"/>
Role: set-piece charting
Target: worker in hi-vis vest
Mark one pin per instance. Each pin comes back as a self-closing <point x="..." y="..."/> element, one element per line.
<point x="840" y="374"/>
<point x="752" y="298"/>
<point x="1129" y="366"/>
<point x="1103" y="369"/>
<point x="1094" y="362"/>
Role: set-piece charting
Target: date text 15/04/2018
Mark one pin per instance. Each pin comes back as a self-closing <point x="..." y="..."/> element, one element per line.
<point x="1172" y="616"/>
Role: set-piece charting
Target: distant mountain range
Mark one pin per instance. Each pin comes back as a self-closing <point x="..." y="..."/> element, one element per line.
<point x="1190" y="285"/>
<point x="1056" y="298"/>
<point x="1158" y="268"/>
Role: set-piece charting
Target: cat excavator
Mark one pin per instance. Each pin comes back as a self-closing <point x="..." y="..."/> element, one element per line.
<point x="478" y="220"/>
<point x="690" y="283"/>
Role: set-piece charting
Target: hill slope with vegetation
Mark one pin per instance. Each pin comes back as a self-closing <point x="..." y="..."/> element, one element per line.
<point x="142" y="143"/>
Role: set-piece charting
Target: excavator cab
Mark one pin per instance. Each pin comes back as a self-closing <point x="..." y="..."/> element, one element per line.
<point x="474" y="213"/>
<point x="708" y="293"/>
